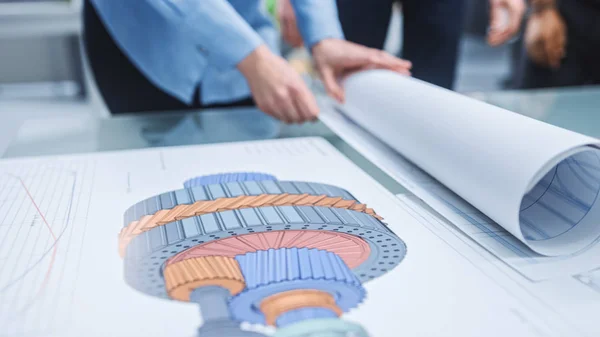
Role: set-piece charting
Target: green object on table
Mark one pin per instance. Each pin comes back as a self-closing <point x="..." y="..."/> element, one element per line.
<point x="272" y="8"/>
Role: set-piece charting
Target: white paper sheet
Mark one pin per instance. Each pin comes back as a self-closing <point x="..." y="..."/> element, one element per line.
<point x="574" y="299"/>
<point x="452" y="207"/>
<point x="61" y="274"/>
<point x="537" y="181"/>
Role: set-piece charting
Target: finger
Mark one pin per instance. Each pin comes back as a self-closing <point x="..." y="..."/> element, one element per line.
<point x="284" y="102"/>
<point x="515" y="17"/>
<point x="331" y="85"/>
<point x="499" y="36"/>
<point x="394" y="63"/>
<point x="306" y="104"/>
<point x="288" y="110"/>
<point x="271" y="107"/>
<point x="495" y="14"/>
<point x="377" y="59"/>
<point x="495" y="29"/>
<point x="271" y="111"/>
<point x="496" y="37"/>
<point x="382" y="59"/>
<point x="351" y="71"/>
<point x="555" y="51"/>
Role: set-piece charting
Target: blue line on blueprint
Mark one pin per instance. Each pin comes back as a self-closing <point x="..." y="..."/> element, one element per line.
<point x="483" y="228"/>
<point x="569" y="197"/>
<point x="547" y="187"/>
<point x="32" y="267"/>
<point x="579" y="177"/>
<point x="534" y="228"/>
<point x="587" y="165"/>
<point x="577" y="223"/>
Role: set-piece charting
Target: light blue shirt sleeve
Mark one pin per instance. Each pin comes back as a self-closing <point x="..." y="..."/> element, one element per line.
<point x="219" y="31"/>
<point x="317" y="20"/>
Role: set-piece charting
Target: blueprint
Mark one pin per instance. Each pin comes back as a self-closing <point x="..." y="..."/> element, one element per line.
<point x="451" y="206"/>
<point x="538" y="181"/>
<point x="571" y="299"/>
<point x="281" y="238"/>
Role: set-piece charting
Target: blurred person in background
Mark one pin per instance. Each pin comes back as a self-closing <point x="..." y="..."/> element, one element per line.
<point x="562" y="44"/>
<point x="431" y="33"/>
<point x="161" y="55"/>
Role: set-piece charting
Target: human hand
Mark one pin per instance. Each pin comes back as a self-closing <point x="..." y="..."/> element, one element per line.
<point x="277" y="89"/>
<point x="505" y="20"/>
<point x="546" y="38"/>
<point x="336" y="58"/>
<point x="289" y="26"/>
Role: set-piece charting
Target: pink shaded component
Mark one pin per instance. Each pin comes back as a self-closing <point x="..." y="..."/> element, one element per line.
<point x="352" y="249"/>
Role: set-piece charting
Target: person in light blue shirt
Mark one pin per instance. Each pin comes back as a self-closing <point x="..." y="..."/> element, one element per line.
<point x="178" y="54"/>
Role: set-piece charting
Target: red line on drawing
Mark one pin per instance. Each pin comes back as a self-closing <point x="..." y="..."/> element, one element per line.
<point x="55" y="243"/>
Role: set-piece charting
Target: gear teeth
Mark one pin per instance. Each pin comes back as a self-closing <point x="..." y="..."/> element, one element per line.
<point x="229" y="189"/>
<point x="275" y="271"/>
<point x="183" y="277"/>
<point x="181" y="212"/>
<point x="264" y="267"/>
<point x="226" y="178"/>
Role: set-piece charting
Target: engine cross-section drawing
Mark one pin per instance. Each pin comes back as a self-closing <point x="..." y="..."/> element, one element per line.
<point x="249" y="248"/>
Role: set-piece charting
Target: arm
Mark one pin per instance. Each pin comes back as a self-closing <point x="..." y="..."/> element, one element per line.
<point x="216" y="27"/>
<point x="228" y="41"/>
<point x="334" y="58"/>
<point x="317" y="20"/>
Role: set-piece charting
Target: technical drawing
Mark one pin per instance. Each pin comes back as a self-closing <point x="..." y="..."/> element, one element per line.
<point x="249" y="248"/>
<point x="43" y="219"/>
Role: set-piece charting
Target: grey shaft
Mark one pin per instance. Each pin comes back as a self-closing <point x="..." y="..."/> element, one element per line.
<point x="213" y="302"/>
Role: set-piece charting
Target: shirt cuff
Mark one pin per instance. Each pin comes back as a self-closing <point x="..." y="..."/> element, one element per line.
<point x="317" y="20"/>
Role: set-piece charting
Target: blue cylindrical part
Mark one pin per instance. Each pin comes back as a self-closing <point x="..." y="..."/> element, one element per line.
<point x="322" y="327"/>
<point x="303" y="314"/>
<point x="226" y="178"/>
<point x="213" y="302"/>
<point x="215" y="314"/>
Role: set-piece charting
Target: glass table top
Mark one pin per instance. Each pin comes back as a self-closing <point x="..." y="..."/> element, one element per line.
<point x="575" y="109"/>
<point x="73" y="135"/>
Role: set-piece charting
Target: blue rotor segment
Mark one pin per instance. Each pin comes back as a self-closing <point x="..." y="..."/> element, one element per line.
<point x="274" y="271"/>
<point x="227" y="178"/>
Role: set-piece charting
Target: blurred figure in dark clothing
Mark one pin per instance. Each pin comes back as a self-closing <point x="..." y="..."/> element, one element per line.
<point x="562" y="44"/>
<point x="432" y="30"/>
